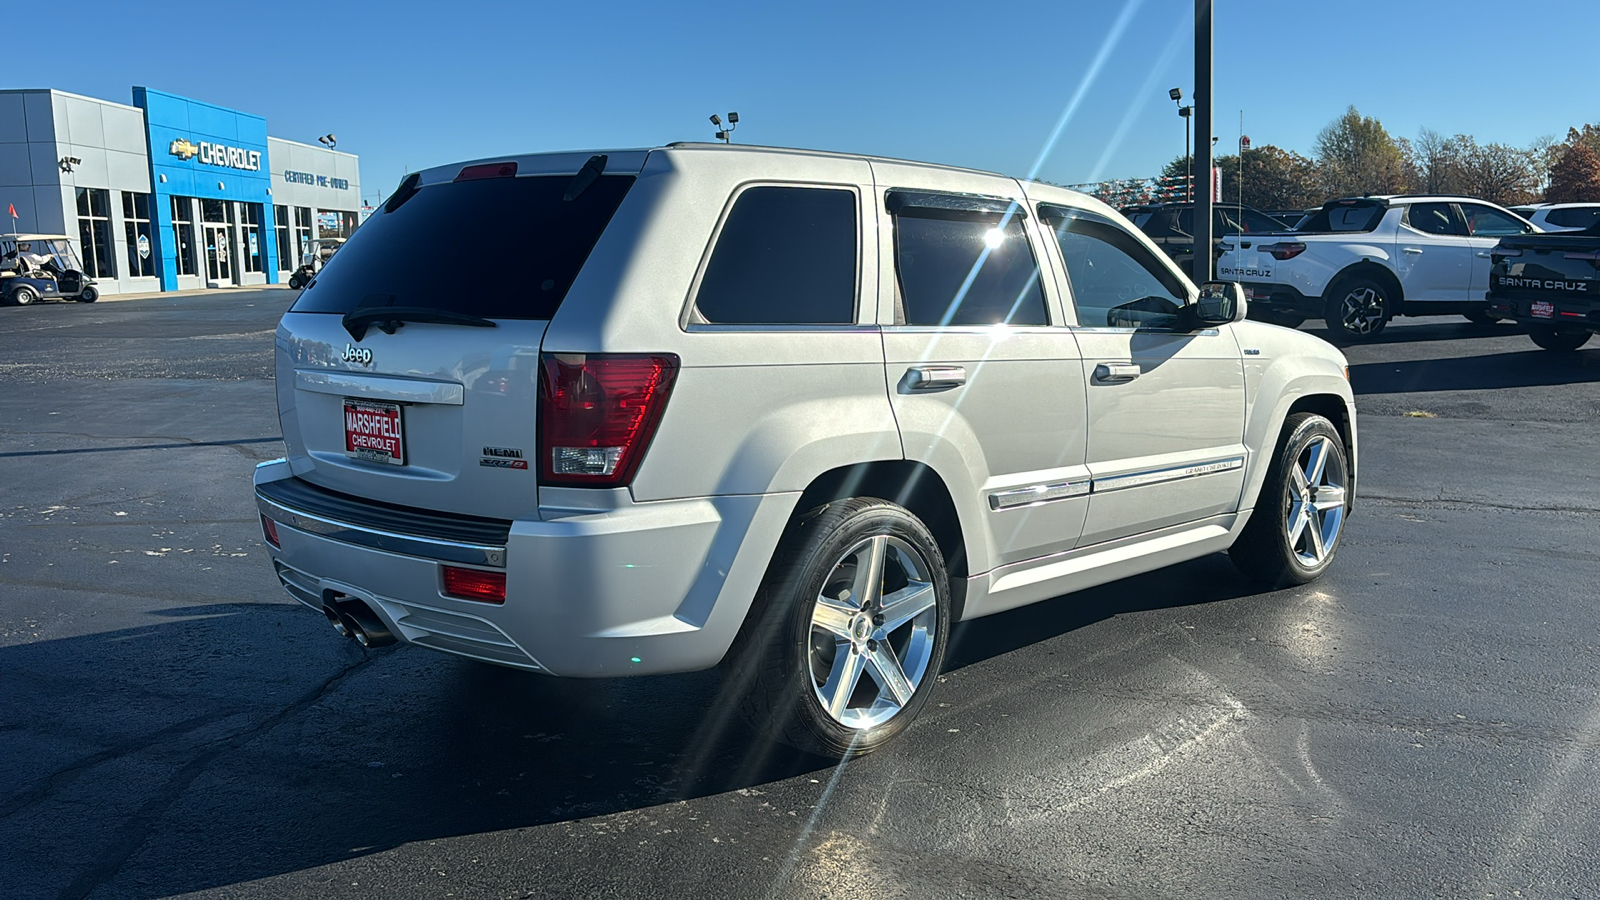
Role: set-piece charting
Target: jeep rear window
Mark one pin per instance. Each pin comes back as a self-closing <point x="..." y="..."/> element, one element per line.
<point x="500" y="248"/>
<point x="1362" y="217"/>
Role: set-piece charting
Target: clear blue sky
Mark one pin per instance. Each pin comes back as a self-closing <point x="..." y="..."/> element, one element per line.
<point x="409" y="85"/>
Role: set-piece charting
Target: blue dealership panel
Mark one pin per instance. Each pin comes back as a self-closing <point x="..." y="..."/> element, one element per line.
<point x="194" y="148"/>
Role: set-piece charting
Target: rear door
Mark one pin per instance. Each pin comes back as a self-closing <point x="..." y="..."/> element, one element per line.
<point x="983" y="377"/>
<point x="1433" y="255"/>
<point x="1166" y="407"/>
<point x="423" y="414"/>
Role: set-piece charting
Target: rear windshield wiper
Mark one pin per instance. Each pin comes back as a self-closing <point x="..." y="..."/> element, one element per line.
<point x="390" y="318"/>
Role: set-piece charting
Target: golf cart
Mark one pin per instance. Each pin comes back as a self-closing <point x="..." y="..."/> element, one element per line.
<point x="316" y="255"/>
<point x="42" y="266"/>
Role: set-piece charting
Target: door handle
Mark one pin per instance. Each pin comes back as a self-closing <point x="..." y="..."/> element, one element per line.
<point x="934" y="378"/>
<point x="1411" y="249"/>
<point x="1116" y="373"/>
<point x="1483" y="254"/>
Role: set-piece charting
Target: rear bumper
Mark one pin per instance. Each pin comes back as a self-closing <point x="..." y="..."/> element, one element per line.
<point x="1563" y="313"/>
<point x="646" y="588"/>
<point x="1282" y="297"/>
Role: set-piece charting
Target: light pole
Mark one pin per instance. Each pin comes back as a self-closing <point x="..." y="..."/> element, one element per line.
<point x="725" y="135"/>
<point x="1188" y="159"/>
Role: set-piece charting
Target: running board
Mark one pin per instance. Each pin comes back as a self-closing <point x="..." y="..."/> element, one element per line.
<point x="1028" y="582"/>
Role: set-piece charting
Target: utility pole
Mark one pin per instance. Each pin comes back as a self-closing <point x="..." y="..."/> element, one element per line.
<point x="1204" y="251"/>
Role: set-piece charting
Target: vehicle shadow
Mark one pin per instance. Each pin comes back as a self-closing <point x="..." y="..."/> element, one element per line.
<point x="1441" y="328"/>
<point x="1530" y="368"/>
<point x="248" y="721"/>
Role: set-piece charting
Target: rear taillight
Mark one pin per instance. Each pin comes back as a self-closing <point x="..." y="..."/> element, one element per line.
<point x="597" y="414"/>
<point x="1284" y="249"/>
<point x="269" y="530"/>
<point x="475" y="584"/>
<point x="488" y="170"/>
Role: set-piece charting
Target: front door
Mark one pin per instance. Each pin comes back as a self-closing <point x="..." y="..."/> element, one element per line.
<point x="1485" y="227"/>
<point x="219" y="264"/>
<point x="983" y="376"/>
<point x="1166" y="406"/>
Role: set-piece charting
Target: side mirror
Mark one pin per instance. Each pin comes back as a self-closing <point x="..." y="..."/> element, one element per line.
<point x="1220" y="303"/>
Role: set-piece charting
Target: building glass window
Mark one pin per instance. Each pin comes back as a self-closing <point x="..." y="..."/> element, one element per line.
<point x="183" y="235"/>
<point x="253" y="252"/>
<point x="136" y="224"/>
<point x="280" y="224"/>
<point x="94" y="232"/>
<point x="302" y="234"/>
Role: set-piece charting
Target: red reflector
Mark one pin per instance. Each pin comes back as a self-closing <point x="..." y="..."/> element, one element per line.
<point x="475" y="584"/>
<point x="597" y="414"/>
<point x="269" y="529"/>
<point x="488" y="170"/>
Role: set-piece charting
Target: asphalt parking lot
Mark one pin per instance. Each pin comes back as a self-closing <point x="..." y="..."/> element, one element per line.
<point x="1423" y="722"/>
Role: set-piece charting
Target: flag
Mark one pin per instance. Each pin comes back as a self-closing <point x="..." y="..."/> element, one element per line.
<point x="13" y="208"/>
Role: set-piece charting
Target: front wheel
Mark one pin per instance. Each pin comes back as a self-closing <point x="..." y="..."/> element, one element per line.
<point x="88" y="295"/>
<point x="854" y="619"/>
<point x="1557" y="338"/>
<point x="1299" y="516"/>
<point x="296" y="282"/>
<point x="1358" y="310"/>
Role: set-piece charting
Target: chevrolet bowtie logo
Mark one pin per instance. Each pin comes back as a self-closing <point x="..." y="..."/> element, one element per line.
<point x="183" y="149"/>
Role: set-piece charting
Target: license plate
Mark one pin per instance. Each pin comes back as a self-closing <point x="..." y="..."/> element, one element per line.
<point x="373" y="431"/>
<point x="1542" y="310"/>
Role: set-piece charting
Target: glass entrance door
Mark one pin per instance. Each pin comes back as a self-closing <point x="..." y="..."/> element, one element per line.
<point x="219" y="266"/>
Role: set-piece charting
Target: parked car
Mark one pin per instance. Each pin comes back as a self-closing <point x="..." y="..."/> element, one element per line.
<point x="1561" y="216"/>
<point x="1550" y="283"/>
<point x="790" y="412"/>
<point x="42" y="267"/>
<point x="1360" y="261"/>
<point x="1171" y="226"/>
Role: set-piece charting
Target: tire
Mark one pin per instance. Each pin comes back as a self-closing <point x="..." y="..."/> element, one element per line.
<point x="1560" y="340"/>
<point x="1480" y="317"/>
<point x="23" y="295"/>
<point x="814" y="632"/>
<point x="296" y="282"/>
<point x="1358" y="309"/>
<point x="89" y="295"/>
<point x="1294" y="532"/>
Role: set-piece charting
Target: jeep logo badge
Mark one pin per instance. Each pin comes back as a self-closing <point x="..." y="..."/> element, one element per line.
<point x="358" y="355"/>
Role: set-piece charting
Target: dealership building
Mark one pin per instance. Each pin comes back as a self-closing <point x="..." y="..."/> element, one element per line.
<point x="169" y="193"/>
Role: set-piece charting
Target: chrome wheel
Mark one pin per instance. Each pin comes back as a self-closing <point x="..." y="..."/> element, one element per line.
<point x="1363" y="311"/>
<point x="1317" y="485"/>
<point x="877" y="615"/>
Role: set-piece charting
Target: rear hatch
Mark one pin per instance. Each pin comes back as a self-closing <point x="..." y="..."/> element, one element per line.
<point x="1564" y="267"/>
<point x="1255" y="255"/>
<point x="408" y="370"/>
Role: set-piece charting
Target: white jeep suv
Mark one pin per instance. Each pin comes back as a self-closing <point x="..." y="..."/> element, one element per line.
<point x="794" y="412"/>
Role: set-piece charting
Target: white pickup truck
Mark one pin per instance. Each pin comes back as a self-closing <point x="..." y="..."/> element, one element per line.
<point x="1358" y="262"/>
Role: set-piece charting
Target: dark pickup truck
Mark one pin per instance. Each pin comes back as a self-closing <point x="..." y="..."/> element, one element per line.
<point x="1550" y="283"/>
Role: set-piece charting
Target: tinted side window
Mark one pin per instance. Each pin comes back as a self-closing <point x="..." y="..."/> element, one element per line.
<point x="786" y="255"/>
<point x="1116" y="282"/>
<point x="1432" y="218"/>
<point x="964" y="268"/>
<point x="1259" y="223"/>
<point x="1573" y="216"/>
<point x="1484" y="221"/>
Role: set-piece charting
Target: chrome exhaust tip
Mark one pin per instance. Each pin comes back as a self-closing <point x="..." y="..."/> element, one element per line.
<point x="364" y="624"/>
<point x="337" y="621"/>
